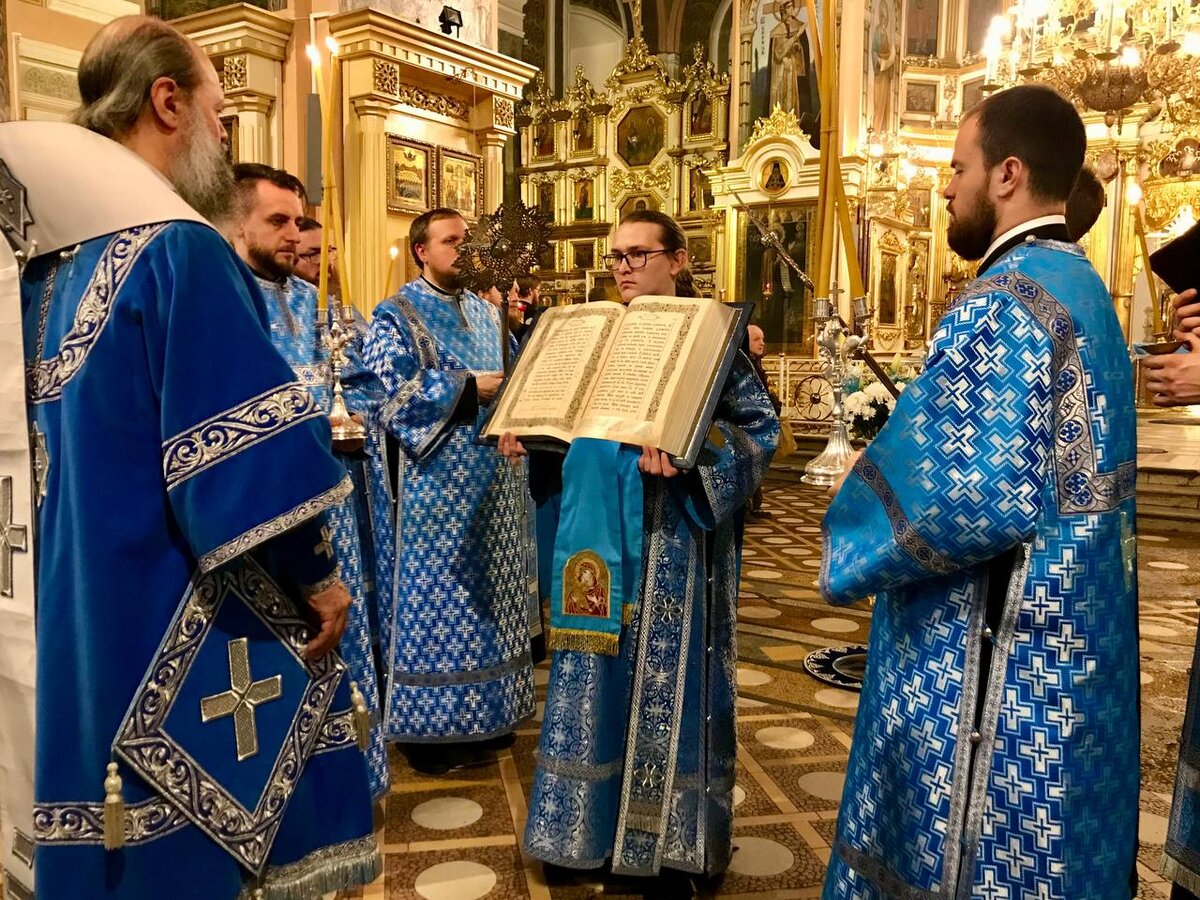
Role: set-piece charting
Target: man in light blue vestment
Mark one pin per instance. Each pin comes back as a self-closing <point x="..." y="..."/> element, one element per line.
<point x="453" y="589"/>
<point x="189" y="745"/>
<point x="268" y="208"/>
<point x="996" y="747"/>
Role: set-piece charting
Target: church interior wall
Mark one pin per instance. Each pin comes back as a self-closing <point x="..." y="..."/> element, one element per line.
<point x="596" y="43"/>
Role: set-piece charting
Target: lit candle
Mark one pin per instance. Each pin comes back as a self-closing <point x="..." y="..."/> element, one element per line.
<point x="323" y="281"/>
<point x="393" y="252"/>
<point x="335" y="200"/>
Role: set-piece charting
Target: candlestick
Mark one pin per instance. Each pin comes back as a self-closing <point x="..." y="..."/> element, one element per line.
<point x="314" y="58"/>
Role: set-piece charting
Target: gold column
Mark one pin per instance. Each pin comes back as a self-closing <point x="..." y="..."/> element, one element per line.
<point x="254" y="137"/>
<point x="366" y="208"/>
<point x="1126" y="249"/>
<point x="491" y="148"/>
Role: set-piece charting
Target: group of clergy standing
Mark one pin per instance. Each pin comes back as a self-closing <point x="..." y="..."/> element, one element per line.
<point x="178" y="385"/>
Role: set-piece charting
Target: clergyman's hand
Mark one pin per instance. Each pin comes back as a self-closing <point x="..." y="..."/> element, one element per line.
<point x="330" y="609"/>
<point x="655" y="462"/>
<point x="486" y="386"/>
<point x="1173" y="379"/>
<point x="510" y="447"/>
<point x="841" y="479"/>
<point x="1187" y="313"/>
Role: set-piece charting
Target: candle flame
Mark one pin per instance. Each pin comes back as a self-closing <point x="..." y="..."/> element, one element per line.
<point x="332" y="46"/>
<point x="1134" y="193"/>
<point x="313" y="56"/>
<point x="393" y="251"/>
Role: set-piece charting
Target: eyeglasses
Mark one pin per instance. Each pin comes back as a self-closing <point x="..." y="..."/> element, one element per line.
<point x="314" y="255"/>
<point x="635" y="259"/>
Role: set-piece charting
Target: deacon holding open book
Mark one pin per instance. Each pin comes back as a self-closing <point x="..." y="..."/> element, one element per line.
<point x="669" y="433"/>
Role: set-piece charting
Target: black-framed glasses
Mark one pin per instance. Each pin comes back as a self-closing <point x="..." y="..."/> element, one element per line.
<point x="314" y="255"/>
<point x="635" y="259"/>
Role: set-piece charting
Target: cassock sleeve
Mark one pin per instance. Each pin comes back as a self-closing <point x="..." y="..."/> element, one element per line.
<point x="419" y="402"/>
<point x="955" y="476"/>
<point x="245" y="446"/>
<point x="726" y="477"/>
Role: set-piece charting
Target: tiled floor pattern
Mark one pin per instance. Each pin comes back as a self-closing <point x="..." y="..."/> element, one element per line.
<point x="457" y="837"/>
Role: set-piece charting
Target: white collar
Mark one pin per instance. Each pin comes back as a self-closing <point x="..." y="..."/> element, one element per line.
<point x="82" y="186"/>
<point x="1024" y="226"/>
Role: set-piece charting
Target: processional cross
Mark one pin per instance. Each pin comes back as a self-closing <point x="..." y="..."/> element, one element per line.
<point x="13" y="538"/>
<point x="241" y="699"/>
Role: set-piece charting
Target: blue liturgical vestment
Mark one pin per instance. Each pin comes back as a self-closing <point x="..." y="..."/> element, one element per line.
<point x="636" y="758"/>
<point x="179" y="445"/>
<point x="454" y="618"/>
<point x="292" y="312"/>
<point x="996" y="747"/>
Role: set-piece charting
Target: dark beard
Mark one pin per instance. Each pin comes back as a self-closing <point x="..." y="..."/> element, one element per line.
<point x="265" y="264"/>
<point x="970" y="236"/>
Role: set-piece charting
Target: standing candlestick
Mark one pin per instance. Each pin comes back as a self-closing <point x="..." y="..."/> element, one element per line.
<point x="393" y="252"/>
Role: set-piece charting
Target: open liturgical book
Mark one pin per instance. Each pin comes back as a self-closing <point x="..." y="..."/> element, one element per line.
<point x="646" y="374"/>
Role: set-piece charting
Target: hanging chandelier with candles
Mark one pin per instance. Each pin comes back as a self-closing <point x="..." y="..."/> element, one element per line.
<point x="1110" y="56"/>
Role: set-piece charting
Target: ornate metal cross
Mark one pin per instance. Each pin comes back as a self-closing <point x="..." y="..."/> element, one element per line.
<point x="326" y="546"/>
<point x="13" y="538"/>
<point x="240" y="701"/>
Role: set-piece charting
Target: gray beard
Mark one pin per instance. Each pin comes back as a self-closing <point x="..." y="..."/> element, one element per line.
<point x="202" y="175"/>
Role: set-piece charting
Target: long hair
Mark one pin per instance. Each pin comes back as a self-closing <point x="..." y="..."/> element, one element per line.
<point x="673" y="239"/>
<point x="120" y="66"/>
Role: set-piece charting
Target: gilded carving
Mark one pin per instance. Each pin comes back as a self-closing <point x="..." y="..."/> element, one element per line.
<point x="503" y="112"/>
<point x="1165" y="200"/>
<point x="416" y="97"/>
<point x="234" y="73"/>
<point x="387" y="77"/>
<point x="780" y="123"/>
<point x="657" y="179"/>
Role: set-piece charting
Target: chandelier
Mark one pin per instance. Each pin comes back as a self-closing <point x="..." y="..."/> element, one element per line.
<point x="1110" y="56"/>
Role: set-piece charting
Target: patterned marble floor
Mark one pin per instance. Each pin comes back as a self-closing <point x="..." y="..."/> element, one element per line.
<point x="457" y="837"/>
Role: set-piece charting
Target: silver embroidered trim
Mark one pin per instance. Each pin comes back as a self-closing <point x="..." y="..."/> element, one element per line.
<point x="311" y="590"/>
<point x="1005" y="637"/>
<point x="437" y="679"/>
<point x="48" y="378"/>
<point x="83" y="823"/>
<point x="968" y="699"/>
<point x="581" y="771"/>
<point x="234" y="430"/>
<point x="334" y="868"/>
<point x="246" y="834"/>
<point x="337" y="732"/>
<point x="1082" y="487"/>
<point x="277" y="526"/>
<point x="879" y="875"/>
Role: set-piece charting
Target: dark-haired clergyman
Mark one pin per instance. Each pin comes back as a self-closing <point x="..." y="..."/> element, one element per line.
<point x="996" y="748"/>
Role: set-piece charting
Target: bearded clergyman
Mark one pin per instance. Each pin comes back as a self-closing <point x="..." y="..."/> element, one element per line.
<point x="996" y="748"/>
<point x="195" y="735"/>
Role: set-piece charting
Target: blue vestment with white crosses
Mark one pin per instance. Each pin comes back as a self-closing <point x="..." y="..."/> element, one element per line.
<point x="453" y="588"/>
<point x="996" y="746"/>
<point x="636" y="758"/>
<point x="297" y="334"/>
<point x="180" y="448"/>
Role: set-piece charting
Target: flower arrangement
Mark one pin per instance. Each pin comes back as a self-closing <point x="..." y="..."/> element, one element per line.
<point x="866" y="402"/>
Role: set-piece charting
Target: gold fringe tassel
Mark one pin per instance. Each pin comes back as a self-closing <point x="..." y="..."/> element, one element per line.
<point x="628" y="611"/>
<point x="362" y="717"/>
<point x="1180" y="874"/>
<point x="584" y="641"/>
<point x="114" y="810"/>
